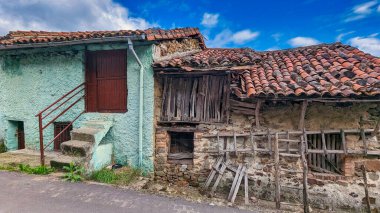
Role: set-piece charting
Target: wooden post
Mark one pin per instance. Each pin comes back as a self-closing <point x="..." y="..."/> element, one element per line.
<point x="305" y="139"/>
<point x="301" y="123"/>
<point x="269" y="142"/>
<point x="277" y="172"/>
<point x="253" y="143"/>
<point x="304" y="177"/>
<point x="377" y="127"/>
<point x="366" y="188"/>
<point x="287" y="143"/>
<point x="324" y="142"/>
<point x="217" y="142"/>
<point x="246" y="198"/>
<point x="235" y="146"/>
<point x="362" y="134"/>
<point x="343" y="136"/>
<point x="257" y="113"/>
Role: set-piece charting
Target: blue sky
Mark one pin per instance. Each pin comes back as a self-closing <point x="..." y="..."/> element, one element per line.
<point x="261" y="25"/>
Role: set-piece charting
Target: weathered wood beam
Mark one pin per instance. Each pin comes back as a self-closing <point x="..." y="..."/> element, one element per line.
<point x="277" y="173"/>
<point x="301" y="124"/>
<point x="257" y="112"/>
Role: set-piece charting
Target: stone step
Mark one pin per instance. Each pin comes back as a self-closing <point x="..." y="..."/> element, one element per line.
<point x="76" y="148"/>
<point x="85" y="134"/>
<point x="65" y="160"/>
<point x="97" y="124"/>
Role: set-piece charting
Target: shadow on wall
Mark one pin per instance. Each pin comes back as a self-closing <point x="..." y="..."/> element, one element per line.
<point x="3" y="148"/>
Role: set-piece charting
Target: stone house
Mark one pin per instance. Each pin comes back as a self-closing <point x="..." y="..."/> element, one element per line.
<point x="216" y="102"/>
<point x="91" y="83"/>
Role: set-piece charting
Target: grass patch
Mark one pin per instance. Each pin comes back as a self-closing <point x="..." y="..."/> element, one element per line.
<point x="38" y="170"/>
<point x="123" y="176"/>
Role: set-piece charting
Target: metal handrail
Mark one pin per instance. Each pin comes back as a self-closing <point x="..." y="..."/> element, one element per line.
<point x="41" y="117"/>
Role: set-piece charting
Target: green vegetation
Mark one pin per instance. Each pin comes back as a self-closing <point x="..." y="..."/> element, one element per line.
<point x="122" y="176"/>
<point x="74" y="173"/>
<point x="38" y="170"/>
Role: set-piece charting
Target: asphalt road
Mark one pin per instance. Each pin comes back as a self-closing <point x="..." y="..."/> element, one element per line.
<point x="28" y="193"/>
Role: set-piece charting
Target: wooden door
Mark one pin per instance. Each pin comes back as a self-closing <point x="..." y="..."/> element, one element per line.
<point x="106" y="81"/>
<point x="65" y="136"/>
<point x="20" y="135"/>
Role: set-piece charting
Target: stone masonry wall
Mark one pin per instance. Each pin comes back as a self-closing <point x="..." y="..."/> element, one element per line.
<point x="323" y="188"/>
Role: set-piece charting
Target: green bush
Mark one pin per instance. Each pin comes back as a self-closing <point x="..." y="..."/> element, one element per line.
<point x="122" y="176"/>
<point x="74" y="173"/>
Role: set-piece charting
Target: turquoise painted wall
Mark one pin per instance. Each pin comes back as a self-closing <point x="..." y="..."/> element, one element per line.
<point x="30" y="80"/>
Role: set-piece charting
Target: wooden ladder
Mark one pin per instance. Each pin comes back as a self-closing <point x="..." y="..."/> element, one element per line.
<point x="302" y="142"/>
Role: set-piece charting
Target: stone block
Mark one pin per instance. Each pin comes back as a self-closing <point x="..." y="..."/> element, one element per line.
<point x="373" y="165"/>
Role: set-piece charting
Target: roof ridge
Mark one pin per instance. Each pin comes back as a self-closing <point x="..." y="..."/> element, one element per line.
<point x="306" y="47"/>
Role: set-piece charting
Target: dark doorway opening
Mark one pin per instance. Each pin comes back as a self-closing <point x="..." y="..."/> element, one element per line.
<point x="65" y="136"/>
<point x="181" y="147"/>
<point x="20" y="135"/>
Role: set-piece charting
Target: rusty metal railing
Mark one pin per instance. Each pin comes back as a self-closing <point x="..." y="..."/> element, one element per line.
<point x="74" y="93"/>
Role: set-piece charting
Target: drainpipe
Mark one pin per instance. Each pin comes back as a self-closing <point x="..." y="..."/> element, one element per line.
<point x="141" y="94"/>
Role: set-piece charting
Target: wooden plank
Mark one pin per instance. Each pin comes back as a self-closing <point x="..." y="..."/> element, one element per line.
<point x="212" y="173"/>
<point x="277" y="172"/>
<point x="217" y="143"/>
<point x="287" y="143"/>
<point x="364" y="142"/>
<point x="289" y="140"/>
<point x="257" y="112"/>
<point x="237" y="174"/>
<point x="289" y="155"/>
<point x="363" y="167"/>
<point x="262" y="133"/>
<point x="269" y="141"/>
<point x="220" y="175"/>
<point x="235" y="145"/>
<point x="301" y="124"/>
<point x="304" y="176"/>
<point x="246" y="197"/>
<point x="253" y="143"/>
<point x="237" y="185"/>
<point x="343" y="137"/>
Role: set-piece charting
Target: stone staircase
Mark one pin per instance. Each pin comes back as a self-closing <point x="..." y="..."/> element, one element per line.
<point x="86" y="147"/>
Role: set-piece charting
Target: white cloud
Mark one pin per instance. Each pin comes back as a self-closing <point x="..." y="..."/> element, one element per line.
<point x="243" y="36"/>
<point x="361" y="11"/>
<point x="210" y="20"/>
<point x="227" y="37"/>
<point x="302" y="41"/>
<point x="378" y="9"/>
<point x="369" y="45"/>
<point x="273" y="48"/>
<point x="364" y="8"/>
<point x="66" y="15"/>
<point x="340" y="36"/>
<point x="277" y="36"/>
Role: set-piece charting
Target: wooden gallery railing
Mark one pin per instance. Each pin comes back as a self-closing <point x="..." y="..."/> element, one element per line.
<point x="79" y="94"/>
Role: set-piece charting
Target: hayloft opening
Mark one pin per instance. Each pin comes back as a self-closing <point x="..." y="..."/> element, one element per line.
<point x="329" y="163"/>
<point x="181" y="146"/>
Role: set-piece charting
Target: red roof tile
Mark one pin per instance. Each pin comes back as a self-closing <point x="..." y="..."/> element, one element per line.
<point x="320" y="70"/>
<point x="28" y="37"/>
